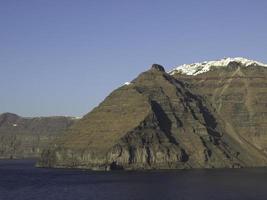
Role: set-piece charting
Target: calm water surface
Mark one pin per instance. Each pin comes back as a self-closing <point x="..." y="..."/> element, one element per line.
<point x="19" y="180"/>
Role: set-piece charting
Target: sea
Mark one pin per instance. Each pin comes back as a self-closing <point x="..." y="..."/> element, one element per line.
<point x="20" y="180"/>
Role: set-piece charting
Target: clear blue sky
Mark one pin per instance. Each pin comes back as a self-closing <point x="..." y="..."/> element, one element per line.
<point x="63" y="57"/>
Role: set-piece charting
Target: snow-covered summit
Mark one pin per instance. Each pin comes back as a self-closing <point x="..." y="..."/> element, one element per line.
<point x="199" y="68"/>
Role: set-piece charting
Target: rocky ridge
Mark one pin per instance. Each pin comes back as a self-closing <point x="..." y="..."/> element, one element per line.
<point x="206" y="66"/>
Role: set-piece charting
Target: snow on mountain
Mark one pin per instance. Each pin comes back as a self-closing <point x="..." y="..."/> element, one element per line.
<point x="127" y="83"/>
<point x="199" y="68"/>
<point x="77" y="117"/>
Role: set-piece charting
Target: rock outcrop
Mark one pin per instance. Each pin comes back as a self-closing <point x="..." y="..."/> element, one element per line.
<point x="26" y="137"/>
<point x="163" y="121"/>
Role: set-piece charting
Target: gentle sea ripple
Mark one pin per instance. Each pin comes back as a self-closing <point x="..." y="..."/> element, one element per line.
<point x="19" y="180"/>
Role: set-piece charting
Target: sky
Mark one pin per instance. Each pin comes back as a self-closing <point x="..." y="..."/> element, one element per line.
<point x="63" y="57"/>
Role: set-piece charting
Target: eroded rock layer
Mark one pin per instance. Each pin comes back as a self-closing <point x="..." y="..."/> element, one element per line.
<point x="239" y="96"/>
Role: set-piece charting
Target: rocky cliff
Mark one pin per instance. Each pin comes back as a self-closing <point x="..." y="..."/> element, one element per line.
<point x="171" y="121"/>
<point x="26" y="137"/>
<point x="237" y="90"/>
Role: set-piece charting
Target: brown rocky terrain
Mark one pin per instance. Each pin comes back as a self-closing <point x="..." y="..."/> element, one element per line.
<point x="26" y="137"/>
<point x="214" y="119"/>
<point x="239" y="96"/>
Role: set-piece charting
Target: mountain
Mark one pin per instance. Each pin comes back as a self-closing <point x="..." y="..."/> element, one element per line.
<point x="237" y="89"/>
<point x="26" y="137"/>
<point x="176" y="120"/>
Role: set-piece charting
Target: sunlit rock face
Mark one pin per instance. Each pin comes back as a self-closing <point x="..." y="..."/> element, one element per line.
<point x="172" y="120"/>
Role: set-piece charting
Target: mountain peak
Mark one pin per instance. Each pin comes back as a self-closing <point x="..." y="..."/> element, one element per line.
<point x="158" y="67"/>
<point x="8" y="116"/>
<point x="199" y="68"/>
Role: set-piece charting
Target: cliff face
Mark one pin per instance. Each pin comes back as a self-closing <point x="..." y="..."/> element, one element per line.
<point x="239" y="96"/>
<point x="26" y="137"/>
<point x="159" y="121"/>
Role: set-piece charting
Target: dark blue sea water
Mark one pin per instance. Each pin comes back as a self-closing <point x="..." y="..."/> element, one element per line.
<point x="19" y="180"/>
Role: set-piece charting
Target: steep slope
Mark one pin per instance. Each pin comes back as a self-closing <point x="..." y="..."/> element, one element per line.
<point x="154" y="122"/>
<point x="237" y="89"/>
<point x="25" y="137"/>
